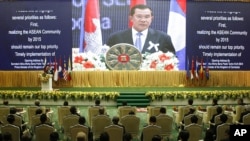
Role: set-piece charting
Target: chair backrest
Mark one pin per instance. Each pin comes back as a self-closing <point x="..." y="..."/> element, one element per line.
<point x="98" y="124"/>
<point x="115" y="132"/>
<point x="211" y="110"/>
<point x="182" y="110"/>
<point x="92" y="112"/>
<point x="246" y="119"/>
<point x="36" y="121"/>
<point x="149" y="131"/>
<point x="124" y="110"/>
<point x="195" y="132"/>
<point x="32" y="111"/>
<point x="18" y="120"/>
<point x="187" y="119"/>
<point x="154" y="111"/>
<point x="238" y="110"/>
<point x="62" y="111"/>
<point x="166" y="124"/>
<point x="131" y="124"/>
<point x="69" y="121"/>
<point x="221" y="130"/>
<point x="217" y="119"/>
<point x="13" y="130"/>
<point x="4" y="112"/>
<point x="78" y="128"/>
<point x="43" y="131"/>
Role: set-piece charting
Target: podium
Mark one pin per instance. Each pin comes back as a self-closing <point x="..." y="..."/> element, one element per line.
<point x="46" y="83"/>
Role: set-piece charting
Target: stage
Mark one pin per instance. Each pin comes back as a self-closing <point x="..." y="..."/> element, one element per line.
<point x="129" y="79"/>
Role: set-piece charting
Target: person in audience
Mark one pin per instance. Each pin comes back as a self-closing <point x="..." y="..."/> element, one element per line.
<point x="131" y="113"/>
<point x="219" y="110"/>
<point x="214" y="102"/>
<point x="39" y="111"/>
<point x="13" y="111"/>
<point x="223" y="119"/>
<point x="163" y="111"/>
<point x="183" y="135"/>
<point x="104" y="136"/>
<point x="191" y="111"/>
<point x="209" y="135"/>
<point x="82" y="121"/>
<point x="247" y="111"/>
<point x="194" y="119"/>
<point x="44" y="120"/>
<point x="127" y="137"/>
<point x="11" y="120"/>
<point x="115" y="121"/>
<point x="97" y="102"/>
<point x="73" y="111"/>
<point x="152" y="121"/>
<point x="54" y="136"/>
<point x="124" y="103"/>
<point x="240" y="101"/>
<point x="190" y="102"/>
<point x="81" y="136"/>
<point x="156" y="138"/>
<point x="102" y="111"/>
<point x="5" y="103"/>
<point x="65" y="103"/>
<point x="37" y="102"/>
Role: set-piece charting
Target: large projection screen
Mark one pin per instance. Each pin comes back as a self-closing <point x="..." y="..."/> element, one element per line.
<point x="214" y="33"/>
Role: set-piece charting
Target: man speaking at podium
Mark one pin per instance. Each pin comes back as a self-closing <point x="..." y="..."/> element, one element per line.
<point x="140" y="35"/>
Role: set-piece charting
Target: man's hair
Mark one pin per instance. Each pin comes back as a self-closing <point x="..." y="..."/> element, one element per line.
<point x="190" y="101"/>
<point x="184" y="135"/>
<point x="39" y="111"/>
<point x="73" y="110"/>
<point x="219" y="109"/>
<point x="152" y="119"/>
<point x="97" y="102"/>
<point x="13" y="110"/>
<point x="37" y="102"/>
<point x="101" y="111"/>
<point x="156" y="138"/>
<point x="139" y="6"/>
<point x="65" y="103"/>
<point x="5" y="102"/>
<point x="115" y="120"/>
<point x="163" y="110"/>
<point x="131" y="113"/>
<point x="194" y="119"/>
<point x="223" y="118"/>
<point x="54" y="136"/>
<point x="104" y="136"/>
<point x="11" y="119"/>
<point x="43" y="118"/>
<point x="124" y="103"/>
<point x="127" y="137"/>
<point x="215" y="101"/>
<point x="82" y="120"/>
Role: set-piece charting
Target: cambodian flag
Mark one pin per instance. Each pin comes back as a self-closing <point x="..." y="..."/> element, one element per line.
<point x="177" y="29"/>
<point x="91" y="35"/>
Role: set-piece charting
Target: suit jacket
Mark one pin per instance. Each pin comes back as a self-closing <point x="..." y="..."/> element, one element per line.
<point x="154" y="36"/>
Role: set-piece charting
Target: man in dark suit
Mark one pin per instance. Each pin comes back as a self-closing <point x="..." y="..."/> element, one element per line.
<point x="150" y="40"/>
